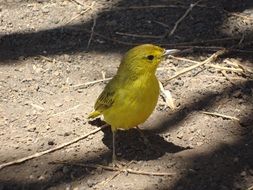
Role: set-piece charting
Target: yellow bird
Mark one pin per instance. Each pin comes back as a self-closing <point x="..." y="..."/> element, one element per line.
<point x="131" y="96"/>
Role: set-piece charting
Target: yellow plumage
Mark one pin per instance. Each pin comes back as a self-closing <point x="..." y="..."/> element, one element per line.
<point x="131" y="96"/>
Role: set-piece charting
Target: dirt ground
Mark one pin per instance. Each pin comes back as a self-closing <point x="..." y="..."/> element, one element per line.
<point x="45" y="61"/>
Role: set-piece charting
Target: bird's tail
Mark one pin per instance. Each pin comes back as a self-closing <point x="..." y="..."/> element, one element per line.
<point x="94" y="114"/>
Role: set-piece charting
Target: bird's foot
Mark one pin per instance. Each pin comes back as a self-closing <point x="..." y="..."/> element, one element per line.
<point x="118" y="164"/>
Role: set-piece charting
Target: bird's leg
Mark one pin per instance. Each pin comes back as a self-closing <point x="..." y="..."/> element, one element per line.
<point x="115" y="162"/>
<point x="145" y="139"/>
<point x="113" y="147"/>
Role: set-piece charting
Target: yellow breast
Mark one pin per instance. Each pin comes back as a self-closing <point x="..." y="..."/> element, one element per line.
<point x="134" y="103"/>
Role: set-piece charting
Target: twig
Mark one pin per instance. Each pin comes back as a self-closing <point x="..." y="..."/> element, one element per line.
<point x="70" y="109"/>
<point x="198" y="64"/>
<point x="238" y="64"/>
<point x="232" y="78"/>
<point x="46" y="58"/>
<point x="92" y="32"/>
<point x="204" y="42"/>
<point x="238" y="70"/>
<point x="102" y="36"/>
<point x="109" y="179"/>
<point x="81" y="13"/>
<point x="89" y="83"/>
<point x="227" y="77"/>
<point x="221" y="115"/>
<point x="38" y="154"/>
<point x="183" y="17"/>
<point x="181" y="45"/>
<point x="225" y="68"/>
<point x="46" y="91"/>
<point x="167" y="97"/>
<point x="37" y="106"/>
<point x="242" y="39"/>
<point x="96" y="166"/>
<point x="139" y="35"/>
<point x="156" y="6"/>
<point x="161" y="23"/>
<point x="209" y="65"/>
<point x="250" y="188"/>
<point x="150" y="7"/>
<point x="77" y="2"/>
<point x="103" y="75"/>
<point x="114" y="175"/>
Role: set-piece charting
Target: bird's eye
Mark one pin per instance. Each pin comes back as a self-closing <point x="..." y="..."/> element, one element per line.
<point x="150" y="57"/>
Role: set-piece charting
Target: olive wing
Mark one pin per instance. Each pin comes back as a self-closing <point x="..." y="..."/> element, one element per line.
<point x="107" y="97"/>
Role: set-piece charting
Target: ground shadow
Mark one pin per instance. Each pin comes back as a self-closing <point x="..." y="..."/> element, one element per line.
<point x="130" y="145"/>
<point x="224" y="168"/>
<point x="113" y="23"/>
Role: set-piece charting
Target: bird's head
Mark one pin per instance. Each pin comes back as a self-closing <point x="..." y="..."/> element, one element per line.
<point x="144" y="58"/>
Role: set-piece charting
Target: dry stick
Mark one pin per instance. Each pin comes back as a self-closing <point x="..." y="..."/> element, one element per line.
<point x="114" y="175"/>
<point x="239" y="70"/>
<point x="70" y="109"/>
<point x="92" y="32"/>
<point x="37" y="106"/>
<point x="225" y="68"/>
<point x="46" y="58"/>
<point x="250" y="188"/>
<point x="81" y="13"/>
<point x="103" y="75"/>
<point x="101" y="35"/>
<point x="176" y="45"/>
<point x="96" y="166"/>
<point x="109" y="179"/>
<point x="157" y="6"/>
<point x="38" y="154"/>
<point x="77" y="2"/>
<point x="139" y="35"/>
<point x="78" y="85"/>
<point x="92" y="82"/>
<point x="242" y="39"/>
<point x="198" y="64"/>
<point x="161" y="23"/>
<point x="244" y="68"/>
<point x="227" y="77"/>
<point x="167" y="97"/>
<point x="221" y="115"/>
<point x="219" y="77"/>
<point x="149" y="7"/>
<point x="204" y="42"/>
<point x="46" y="91"/>
<point x="183" y="17"/>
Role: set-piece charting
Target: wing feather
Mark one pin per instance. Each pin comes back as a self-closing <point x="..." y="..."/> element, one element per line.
<point x="105" y="100"/>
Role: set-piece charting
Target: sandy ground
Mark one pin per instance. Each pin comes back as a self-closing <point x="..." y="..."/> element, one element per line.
<point x="45" y="61"/>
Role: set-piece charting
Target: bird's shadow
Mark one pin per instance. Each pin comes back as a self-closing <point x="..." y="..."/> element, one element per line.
<point x="130" y="144"/>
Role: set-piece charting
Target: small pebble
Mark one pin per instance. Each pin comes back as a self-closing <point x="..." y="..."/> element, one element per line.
<point x="66" y="134"/>
<point x="51" y="142"/>
<point x="90" y="183"/>
<point x="65" y="169"/>
<point x="243" y="173"/>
